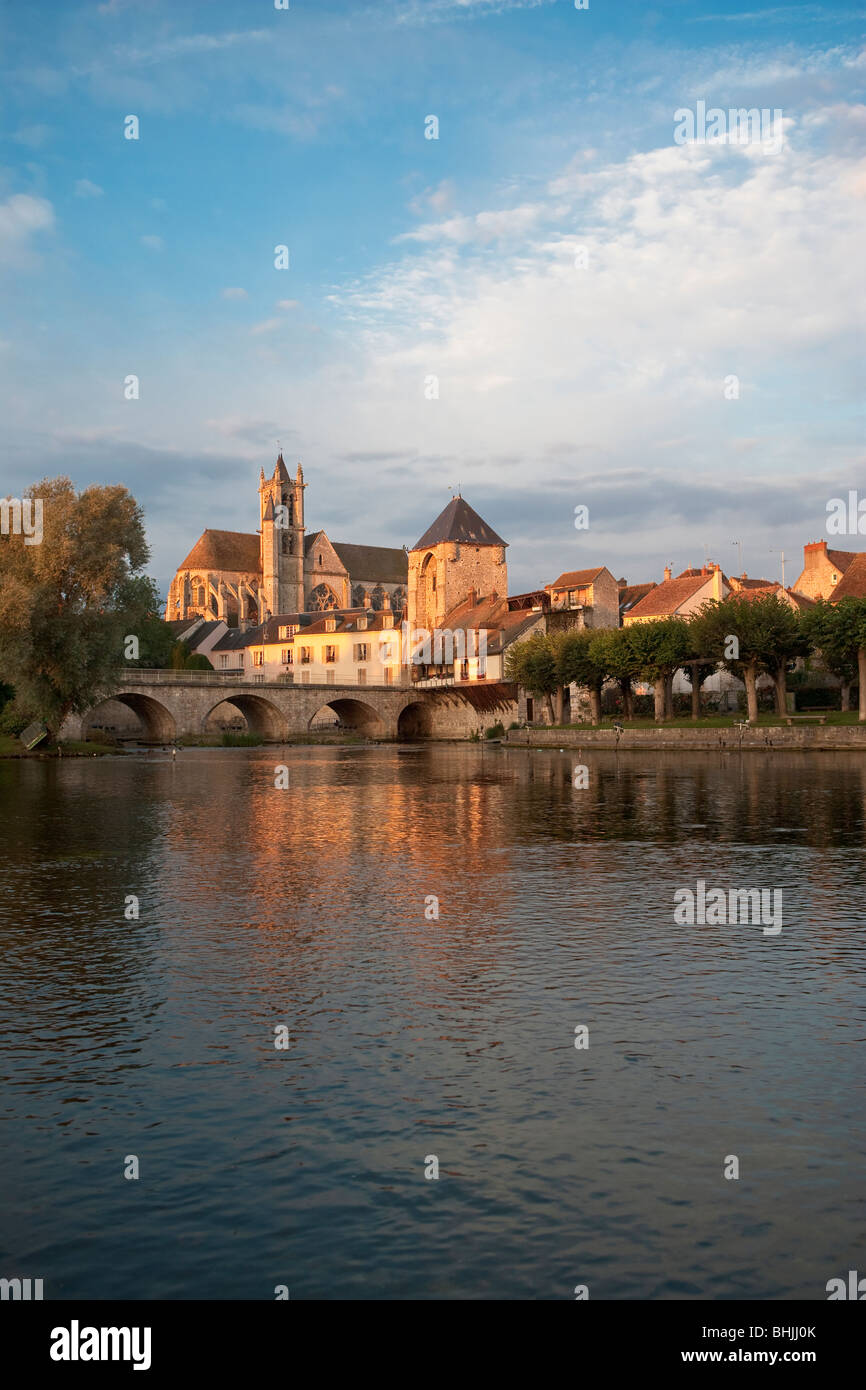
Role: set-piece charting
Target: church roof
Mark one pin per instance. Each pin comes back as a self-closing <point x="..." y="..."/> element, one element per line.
<point x="225" y="550"/>
<point x="458" y="522"/>
<point x="281" y="470"/>
<point x="384" y="563"/>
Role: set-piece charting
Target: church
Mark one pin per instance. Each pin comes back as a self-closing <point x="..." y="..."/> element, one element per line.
<point x="245" y="579"/>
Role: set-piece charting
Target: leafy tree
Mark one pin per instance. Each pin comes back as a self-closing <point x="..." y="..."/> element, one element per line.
<point x="613" y="649"/>
<point x="769" y="635"/>
<point x="833" y="630"/>
<point x="532" y="664"/>
<point x="68" y="604"/>
<point x="581" y="660"/>
<point x="660" y="647"/>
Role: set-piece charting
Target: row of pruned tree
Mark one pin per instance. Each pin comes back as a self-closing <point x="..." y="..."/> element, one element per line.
<point x="748" y="637"/>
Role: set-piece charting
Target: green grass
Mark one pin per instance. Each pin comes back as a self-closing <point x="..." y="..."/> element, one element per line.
<point x="717" y="721"/>
<point x="11" y="747"/>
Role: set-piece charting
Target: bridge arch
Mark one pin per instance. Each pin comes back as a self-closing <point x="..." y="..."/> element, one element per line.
<point x="158" y="723"/>
<point x="352" y="714"/>
<point x="262" y="716"/>
<point x="415" y="720"/>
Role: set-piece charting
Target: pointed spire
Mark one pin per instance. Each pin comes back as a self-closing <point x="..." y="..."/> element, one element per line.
<point x="281" y="471"/>
<point x="262" y="476"/>
<point x="299" y="476"/>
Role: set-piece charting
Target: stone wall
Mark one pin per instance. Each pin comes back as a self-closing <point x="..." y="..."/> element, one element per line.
<point x="809" y="737"/>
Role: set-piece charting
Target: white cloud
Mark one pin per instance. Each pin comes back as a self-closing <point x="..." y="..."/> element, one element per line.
<point x="153" y="243"/>
<point x="266" y="326"/>
<point x="85" y="189"/>
<point x="21" y="216"/>
<point x="288" y="304"/>
<point x="234" y="293"/>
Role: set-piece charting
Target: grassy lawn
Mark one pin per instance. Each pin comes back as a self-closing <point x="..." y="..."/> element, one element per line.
<point x="717" y="721"/>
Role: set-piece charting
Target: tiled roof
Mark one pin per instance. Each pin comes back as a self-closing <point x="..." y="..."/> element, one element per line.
<point x="458" y="522"/>
<point x="576" y="579"/>
<point x="387" y="564"/>
<point x="843" y="559"/>
<point x="631" y="594"/>
<point x="754" y="593"/>
<point x="225" y="550"/>
<point x="236" y="639"/>
<point x="666" y="598"/>
<point x="853" y="581"/>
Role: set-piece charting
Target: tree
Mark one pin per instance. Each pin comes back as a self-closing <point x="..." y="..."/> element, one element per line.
<point x="614" y="650"/>
<point x="751" y="636"/>
<point x="660" y="647"/>
<point x="69" y="604"/>
<point x="532" y="664"/>
<point x="580" y="659"/>
<point x="833" y="629"/>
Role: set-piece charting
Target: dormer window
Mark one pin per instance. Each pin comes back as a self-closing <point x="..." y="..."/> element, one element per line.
<point x="330" y="624"/>
<point x="362" y="623"/>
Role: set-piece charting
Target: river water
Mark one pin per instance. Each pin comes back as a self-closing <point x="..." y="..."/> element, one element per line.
<point x="411" y="1038"/>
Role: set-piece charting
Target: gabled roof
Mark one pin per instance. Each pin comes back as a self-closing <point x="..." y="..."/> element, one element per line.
<point x="576" y="579"/>
<point x="236" y="639"/>
<point x="668" y="597"/>
<point x="631" y="594"/>
<point x="458" y="522"/>
<point x="773" y="588"/>
<point x="387" y="564"/>
<point x="853" y="581"/>
<point x="225" y="550"/>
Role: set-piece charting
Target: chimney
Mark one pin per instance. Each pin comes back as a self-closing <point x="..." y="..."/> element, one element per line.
<point x="667" y="572"/>
<point x="472" y="597"/>
<point x="716" y="571"/>
<point x="813" y="554"/>
<point x="366" y="599"/>
<point x="386" y="602"/>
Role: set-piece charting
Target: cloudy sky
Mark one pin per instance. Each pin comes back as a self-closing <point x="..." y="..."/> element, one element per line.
<point x="581" y="285"/>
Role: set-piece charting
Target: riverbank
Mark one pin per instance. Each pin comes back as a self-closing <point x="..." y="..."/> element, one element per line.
<point x="805" y="737"/>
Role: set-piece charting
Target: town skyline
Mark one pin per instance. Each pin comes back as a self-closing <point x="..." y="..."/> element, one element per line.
<point x="545" y="304"/>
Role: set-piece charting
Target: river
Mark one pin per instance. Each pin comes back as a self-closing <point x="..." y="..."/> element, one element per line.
<point x="310" y="908"/>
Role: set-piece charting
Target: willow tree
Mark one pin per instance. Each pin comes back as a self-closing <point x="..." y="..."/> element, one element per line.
<point x="70" y="600"/>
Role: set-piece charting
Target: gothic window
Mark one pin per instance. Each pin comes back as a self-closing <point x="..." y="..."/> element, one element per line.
<point x="359" y="593"/>
<point x="285" y="545"/>
<point x="377" y="598"/>
<point x="322" y="598"/>
<point x="398" y="599"/>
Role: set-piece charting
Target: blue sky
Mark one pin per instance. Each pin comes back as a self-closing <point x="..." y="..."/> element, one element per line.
<point x="456" y="258"/>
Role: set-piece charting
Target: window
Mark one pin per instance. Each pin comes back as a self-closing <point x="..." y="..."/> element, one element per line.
<point x="258" y="658"/>
<point x="321" y="561"/>
<point x="224" y="661"/>
<point x="464" y="670"/>
<point x="287" y="657"/>
<point x="305" y="678"/>
<point x="330" y="654"/>
<point x="389" y="675"/>
<point x="288" y="631"/>
<point x="362" y="676"/>
<point x="330" y="677"/>
<point x="306" y="656"/>
<point x="362" y="651"/>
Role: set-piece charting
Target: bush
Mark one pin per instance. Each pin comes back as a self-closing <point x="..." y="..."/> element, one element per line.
<point x="495" y="731"/>
<point x="817" y="697"/>
<point x="514" y="724"/>
<point x="241" y="740"/>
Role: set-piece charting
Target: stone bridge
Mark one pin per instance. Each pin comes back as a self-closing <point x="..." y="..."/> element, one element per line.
<point x="177" y="704"/>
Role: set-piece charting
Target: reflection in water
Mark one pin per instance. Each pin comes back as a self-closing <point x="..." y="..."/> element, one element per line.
<point x="305" y="907"/>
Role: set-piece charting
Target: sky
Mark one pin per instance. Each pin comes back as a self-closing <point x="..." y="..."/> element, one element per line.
<point x="557" y="303"/>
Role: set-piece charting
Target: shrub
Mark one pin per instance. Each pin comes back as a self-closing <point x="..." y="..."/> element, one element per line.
<point x="495" y="731"/>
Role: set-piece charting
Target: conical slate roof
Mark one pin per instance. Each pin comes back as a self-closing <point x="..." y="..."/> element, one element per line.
<point x="459" y="522"/>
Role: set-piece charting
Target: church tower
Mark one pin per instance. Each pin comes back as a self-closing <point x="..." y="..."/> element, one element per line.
<point x="281" y="507"/>
<point x="457" y="556"/>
